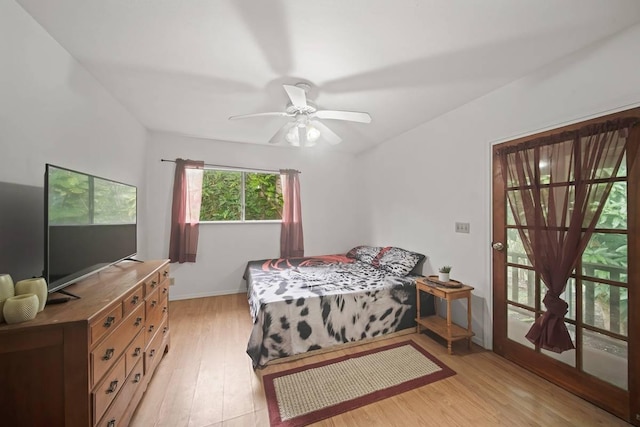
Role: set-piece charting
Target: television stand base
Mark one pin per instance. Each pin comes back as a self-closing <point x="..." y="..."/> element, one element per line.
<point x="132" y="259"/>
<point x="62" y="291"/>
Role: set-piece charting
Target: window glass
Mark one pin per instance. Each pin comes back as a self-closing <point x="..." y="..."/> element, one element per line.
<point x="240" y="196"/>
<point x="263" y="197"/>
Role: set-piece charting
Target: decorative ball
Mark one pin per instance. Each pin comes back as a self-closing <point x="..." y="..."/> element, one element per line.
<point x="37" y="286"/>
<point x="6" y="286"/>
<point x="20" y="308"/>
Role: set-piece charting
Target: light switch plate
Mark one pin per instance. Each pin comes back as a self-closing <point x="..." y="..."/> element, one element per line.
<point x="462" y="227"/>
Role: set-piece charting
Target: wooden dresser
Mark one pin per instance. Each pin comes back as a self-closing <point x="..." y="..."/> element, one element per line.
<point x="87" y="362"/>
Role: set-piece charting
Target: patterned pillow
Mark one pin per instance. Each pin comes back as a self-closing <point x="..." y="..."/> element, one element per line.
<point x="365" y="254"/>
<point x="397" y="261"/>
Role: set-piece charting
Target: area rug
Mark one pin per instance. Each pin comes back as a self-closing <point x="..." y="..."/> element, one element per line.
<point x="304" y="395"/>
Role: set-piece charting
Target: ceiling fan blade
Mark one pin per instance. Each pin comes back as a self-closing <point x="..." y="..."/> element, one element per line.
<point x="297" y="95"/>
<point x="270" y="114"/>
<point x="279" y="135"/>
<point x="331" y="137"/>
<point x="352" y="116"/>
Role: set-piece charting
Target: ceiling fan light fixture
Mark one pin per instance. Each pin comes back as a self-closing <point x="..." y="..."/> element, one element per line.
<point x="306" y="127"/>
<point x="293" y="138"/>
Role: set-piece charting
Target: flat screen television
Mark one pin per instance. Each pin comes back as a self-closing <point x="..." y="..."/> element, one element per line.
<point x="90" y="224"/>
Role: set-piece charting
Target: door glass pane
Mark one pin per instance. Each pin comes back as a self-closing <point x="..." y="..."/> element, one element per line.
<point x="521" y="286"/>
<point x="605" y="357"/>
<point x="527" y="158"/>
<point x="569" y="356"/>
<point x="623" y="166"/>
<point x="515" y="249"/>
<point x="605" y="257"/>
<point x="614" y="212"/>
<point x="519" y="322"/>
<point x="605" y="306"/>
<point x="569" y="296"/>
<point x="510" y="219"/>
<point x="514" y="200"/>
<point x="559" y="192"/>
<point x="556" y="162"/>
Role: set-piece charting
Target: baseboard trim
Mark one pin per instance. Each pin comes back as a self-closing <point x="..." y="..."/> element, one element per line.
<point x="173" y="297"/>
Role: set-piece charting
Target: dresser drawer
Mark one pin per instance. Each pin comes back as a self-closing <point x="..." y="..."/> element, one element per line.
<point x="133" y="301"/>
<point x="151" y="284"/>
<point x="107" y="390"/>
<point x="106" y="323"/>
<point x="153" y="353"/>
<point x="153" y="324"/>
<point x="113" y="417"/>
<point x="164" y="273"/>
<point x="105" y="354"/>
<point x="164" y="289"/>
<point x="155" y="310"/>
<point x="135" y="352"/>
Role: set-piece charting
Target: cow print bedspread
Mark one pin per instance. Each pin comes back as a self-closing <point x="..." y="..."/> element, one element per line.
<point x="304" y="304"/>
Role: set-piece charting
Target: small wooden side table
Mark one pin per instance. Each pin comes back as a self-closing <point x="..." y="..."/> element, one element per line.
<point x="441" y="326"/>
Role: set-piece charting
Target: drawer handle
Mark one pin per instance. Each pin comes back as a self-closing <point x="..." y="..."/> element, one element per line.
<point x="109" y="321"/>
<point x="165" y="273"/>
<point x="138" y="321"/>
<point x="164" y="309"/>
<point x="111" y="423"/>
<point x="151" y="328"/>
<point x="152" y="352"/>
<point x="164" y="290"/>
<point x="154" y="303"/>
<point x="136" y="379"/>
<point x="136" y="352"/>
<point x="112" y="386"/>
<point x="135" y="299"/>
<point x="153" y="284"/>
<point x="165" y="329"/>
<point x="108" y="354"/>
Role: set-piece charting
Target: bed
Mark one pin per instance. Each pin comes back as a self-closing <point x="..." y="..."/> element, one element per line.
<point x="304" y="304"/>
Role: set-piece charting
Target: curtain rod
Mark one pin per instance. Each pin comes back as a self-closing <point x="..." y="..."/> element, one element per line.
<point x="232" y="167"/>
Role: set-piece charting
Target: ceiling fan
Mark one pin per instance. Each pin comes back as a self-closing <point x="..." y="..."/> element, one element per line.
<point x="305" y="128"/>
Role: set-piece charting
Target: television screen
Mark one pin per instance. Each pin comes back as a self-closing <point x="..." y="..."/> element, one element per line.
<point x="91" y="223"/>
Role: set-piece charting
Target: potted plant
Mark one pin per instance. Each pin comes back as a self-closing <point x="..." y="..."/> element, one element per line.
<point x="443" y="273"/>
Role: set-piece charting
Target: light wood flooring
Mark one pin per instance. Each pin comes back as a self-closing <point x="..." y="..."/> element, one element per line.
<point x="206" y="379"/>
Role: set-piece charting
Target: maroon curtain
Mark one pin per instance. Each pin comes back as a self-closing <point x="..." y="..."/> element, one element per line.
<point x="291" y="239"/>
<point x="556" y="188"/>
<point x="185" y="211"/>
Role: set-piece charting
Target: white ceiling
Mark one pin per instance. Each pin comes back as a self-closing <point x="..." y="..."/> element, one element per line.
<point x="185" y="66"/>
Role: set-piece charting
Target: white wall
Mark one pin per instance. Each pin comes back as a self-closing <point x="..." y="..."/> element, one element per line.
<point x="327" y="185"/>
<point x="420" y="183"/>
<point x="53" y="111"/>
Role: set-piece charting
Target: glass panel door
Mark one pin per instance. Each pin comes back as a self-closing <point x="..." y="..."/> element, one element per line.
<point x="601" y="292"/>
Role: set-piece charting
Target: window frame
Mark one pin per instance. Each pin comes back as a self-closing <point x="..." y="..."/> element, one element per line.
<point x="243" y="172"/>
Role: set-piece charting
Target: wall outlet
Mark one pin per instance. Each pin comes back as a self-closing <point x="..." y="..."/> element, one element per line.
<point x="172" y="281"/>
<point x="462" y="227"/>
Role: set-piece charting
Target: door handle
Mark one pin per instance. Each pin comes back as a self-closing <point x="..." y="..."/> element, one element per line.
<point x="498" y="246"/>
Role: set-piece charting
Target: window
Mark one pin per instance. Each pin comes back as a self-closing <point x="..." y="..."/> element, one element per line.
<point x="231" y="195"/>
